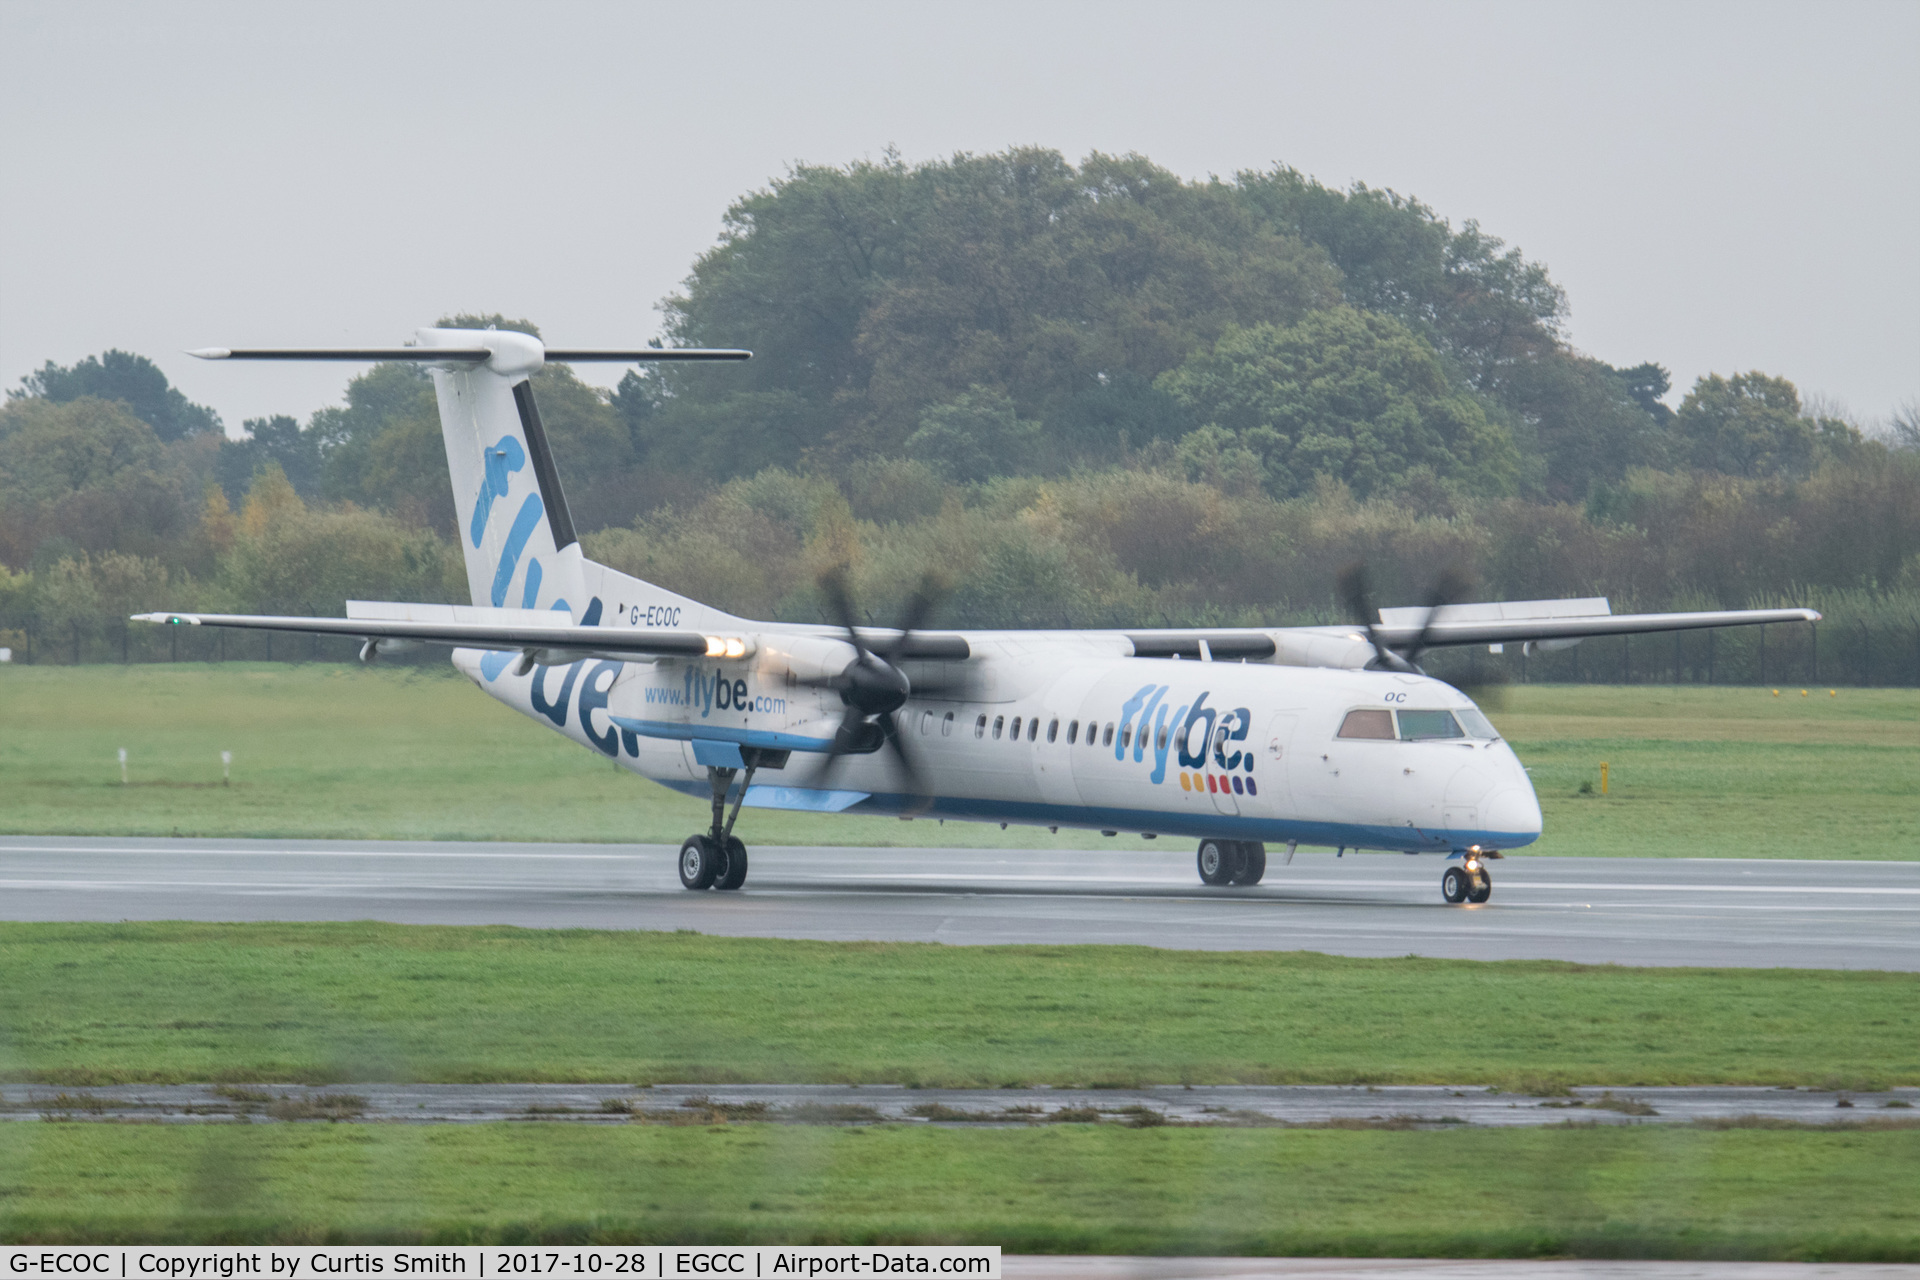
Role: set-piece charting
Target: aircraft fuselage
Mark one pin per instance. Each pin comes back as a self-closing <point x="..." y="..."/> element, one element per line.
<point x="1052" y="731"/>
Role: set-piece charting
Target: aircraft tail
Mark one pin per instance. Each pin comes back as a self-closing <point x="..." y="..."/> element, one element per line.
<point x="515" y="530"/>
<point x="510" y="512"/>
<point x="514" y="527"/>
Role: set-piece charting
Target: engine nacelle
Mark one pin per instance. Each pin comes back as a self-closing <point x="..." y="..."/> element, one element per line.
<point x="800" y="659"/>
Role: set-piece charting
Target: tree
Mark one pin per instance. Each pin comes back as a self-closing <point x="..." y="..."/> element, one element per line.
<point x="278" y="439"/>
<point x="53" y="449"/>
<point x="1346" y="394"/>
<point x="133" y="380"/>
<point x="1480" y="304"/>
<point x="975" y="436"/>
<point x="873" y="292"/>
<point x="1590" y="422"/>
<point x="1748" y="425"/>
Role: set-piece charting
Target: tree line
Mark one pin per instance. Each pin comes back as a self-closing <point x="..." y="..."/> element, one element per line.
<point x="1088" y="395"/>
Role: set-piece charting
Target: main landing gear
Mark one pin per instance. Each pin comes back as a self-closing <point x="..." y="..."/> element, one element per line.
<point x="1232" y="861"/>
<point x="1472" y="881"/>
<point x="717" y="859"/>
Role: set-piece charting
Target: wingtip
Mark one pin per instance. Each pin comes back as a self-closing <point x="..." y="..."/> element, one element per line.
<point x="210" y="353"/>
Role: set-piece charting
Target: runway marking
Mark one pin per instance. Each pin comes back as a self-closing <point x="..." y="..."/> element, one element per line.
<point x="1504" y="886"/>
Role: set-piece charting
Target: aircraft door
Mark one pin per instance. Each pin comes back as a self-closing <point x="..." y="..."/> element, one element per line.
<point x="1273" y="763"/>
<point x="1220" y="784"/>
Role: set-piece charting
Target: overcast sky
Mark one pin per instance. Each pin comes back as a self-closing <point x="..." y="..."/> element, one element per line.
<point x="1717" y="187"/>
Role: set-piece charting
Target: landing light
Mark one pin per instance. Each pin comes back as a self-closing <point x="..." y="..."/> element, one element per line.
<point x="726" y="647"/>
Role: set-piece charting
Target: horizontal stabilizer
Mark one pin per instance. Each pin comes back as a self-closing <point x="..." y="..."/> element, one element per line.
<point x="456" y="355"/>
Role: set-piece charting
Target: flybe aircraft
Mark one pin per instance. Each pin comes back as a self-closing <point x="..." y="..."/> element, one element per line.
<point x="1238" y="739"/>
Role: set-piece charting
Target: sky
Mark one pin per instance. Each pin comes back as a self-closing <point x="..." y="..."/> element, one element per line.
<point x="1717" y="187"/>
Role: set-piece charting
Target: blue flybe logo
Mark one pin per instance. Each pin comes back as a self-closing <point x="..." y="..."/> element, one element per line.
<point x="1150" y="726"/>
<point x="499" y="463"/>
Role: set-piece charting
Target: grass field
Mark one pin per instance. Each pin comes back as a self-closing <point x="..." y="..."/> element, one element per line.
<point x="87" y="1004"/>
<point x="418" y="753"/>
<point x="1592" y="1192"/>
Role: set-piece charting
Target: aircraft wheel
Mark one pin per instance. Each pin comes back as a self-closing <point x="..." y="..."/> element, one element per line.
<point x="735" y="862"/>
<point x="1454" y="885"/>
<point x="1254" y="865"/>
<point x="1216" y="861"/>
<point x="1482" y="887"/>
<point x="699" y="861"/>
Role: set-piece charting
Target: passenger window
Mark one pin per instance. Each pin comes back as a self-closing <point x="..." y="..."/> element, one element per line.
<point x="1368" y="724"/>
<point x="926" y="723"/>
<point x="1126" y="737"/>
<point x="1033" y="728"/>
<point x="999" y="723"/>
<point x="1073" y="732"/>
<point x="980" y="726"/>
<point x="1106" y="739"/>
<point x="1160" y="740"/>
<point x="1428" y="724"/>
<point x="1053" y="730"/>
<point x="946" y="726"/>
<point x="1016" y="729"/>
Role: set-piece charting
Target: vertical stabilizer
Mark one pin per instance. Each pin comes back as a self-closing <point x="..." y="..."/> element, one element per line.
<point x="514" y="526"/>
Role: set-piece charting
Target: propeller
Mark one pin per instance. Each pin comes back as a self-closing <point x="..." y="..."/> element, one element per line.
<point x="872" y="686"/>
<point x="1357" y="591"/>
<point x="1449" y="588"/>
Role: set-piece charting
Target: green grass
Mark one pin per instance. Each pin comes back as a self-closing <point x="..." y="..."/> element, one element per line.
<point x="320" y="1002"/>
<point x="1722" y="772"/>
<point x="418" y="753"/>
<point x="1589" y="1192"/>
<point x="347" y="752"/>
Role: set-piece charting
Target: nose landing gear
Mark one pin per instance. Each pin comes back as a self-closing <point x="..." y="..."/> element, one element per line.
<point x="1471" y="882"/>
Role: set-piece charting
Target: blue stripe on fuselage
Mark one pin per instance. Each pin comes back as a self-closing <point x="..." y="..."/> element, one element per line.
<point x="1198" y="824"/>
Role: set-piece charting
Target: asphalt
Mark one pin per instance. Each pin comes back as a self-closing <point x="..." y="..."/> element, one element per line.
<point x="1398" y="1106"/>
<point x="1032" y="1267"/>
<point x="1735" y="912"/>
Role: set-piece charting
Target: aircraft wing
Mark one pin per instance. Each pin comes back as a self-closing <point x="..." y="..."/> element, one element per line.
<point x="561" y="638"/>
<point x="1444" y="630"/>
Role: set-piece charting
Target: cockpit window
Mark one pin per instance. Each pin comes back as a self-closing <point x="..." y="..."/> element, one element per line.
<point x="1367" y="724"/>
<point x="1428" y="724"/>
<point x="1476" y="724"/>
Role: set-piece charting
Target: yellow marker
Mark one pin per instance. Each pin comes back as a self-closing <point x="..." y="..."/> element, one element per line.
<point x="1833" y="693"/>
<point x="1803" y="693"/>
<point x="1776" y="693"/>
<point x="1603" y="777"/>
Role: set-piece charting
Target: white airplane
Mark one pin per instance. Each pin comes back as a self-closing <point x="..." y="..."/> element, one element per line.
<point x="1237" y="738"/>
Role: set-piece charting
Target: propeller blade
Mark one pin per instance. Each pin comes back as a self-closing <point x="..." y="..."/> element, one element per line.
<point x="909" y="765"/>
<point x="1358" y="594"/>
<point x="920" y="606"/>
<point x="833" y="585"/>
<point x="1449" y="588"/>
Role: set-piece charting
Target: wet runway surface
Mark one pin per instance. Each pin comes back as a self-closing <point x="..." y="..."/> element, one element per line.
<point x="1397" y="1106"/>
<point x="1031" y="1267"/>
<point x="1762" y="912"/>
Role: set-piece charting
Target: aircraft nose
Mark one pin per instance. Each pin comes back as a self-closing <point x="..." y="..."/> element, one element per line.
<point x="1513" y="812"/>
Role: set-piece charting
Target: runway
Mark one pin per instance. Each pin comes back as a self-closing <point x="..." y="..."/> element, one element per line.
<point x="1802" y="914"/>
